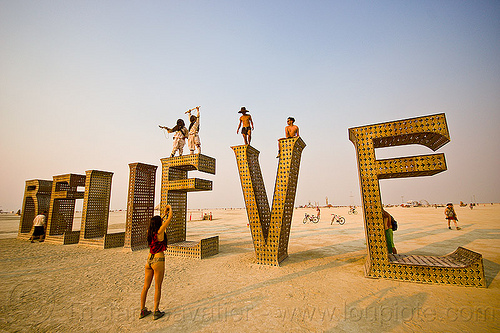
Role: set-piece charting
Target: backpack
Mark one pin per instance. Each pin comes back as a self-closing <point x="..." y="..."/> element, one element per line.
<point x="394" y="224"/>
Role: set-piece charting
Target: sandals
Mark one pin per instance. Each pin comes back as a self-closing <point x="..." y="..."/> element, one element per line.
<point x="144" y="312"/>
<point x="158" y="314"/>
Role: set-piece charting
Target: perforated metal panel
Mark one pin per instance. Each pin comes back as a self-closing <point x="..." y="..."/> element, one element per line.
<point x="463" y="267"/>
<point x="36" y="200"/>
<point x="270" y="228"/>
<point x="174" y="188"/>
<point x="140" y="204"/>
<point x="62" y="205"/>
<point x="95" y="212"/>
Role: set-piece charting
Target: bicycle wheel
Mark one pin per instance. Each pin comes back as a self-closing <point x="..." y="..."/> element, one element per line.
<point x="355" y="212"/>
<point x="304" y="220"/>
<point x="315" y="219"/>
<point x="341" y="220"/>
<point x="350" y="212"/>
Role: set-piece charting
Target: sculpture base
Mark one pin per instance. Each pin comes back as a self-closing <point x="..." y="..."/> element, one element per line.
<point x="205" y="248"/>
<point x="106" y="242"/>
<point x="69" y="237"/>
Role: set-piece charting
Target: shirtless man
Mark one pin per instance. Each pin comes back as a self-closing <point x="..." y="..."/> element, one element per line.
<point x="246" y="130"/>
<point x="291" y="131"/>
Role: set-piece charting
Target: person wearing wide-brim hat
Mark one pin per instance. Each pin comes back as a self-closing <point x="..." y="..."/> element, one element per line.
<point x="247" y="128"/>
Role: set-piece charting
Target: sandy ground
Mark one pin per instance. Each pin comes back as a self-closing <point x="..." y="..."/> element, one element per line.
<point x="320" y="287"/>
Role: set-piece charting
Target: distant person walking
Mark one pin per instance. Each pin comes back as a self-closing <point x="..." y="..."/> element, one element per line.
<point x="39" y="223"/>
<point x="450" y="215"/>
<point x="247" y="122"/>
<point x="155" y="264"/>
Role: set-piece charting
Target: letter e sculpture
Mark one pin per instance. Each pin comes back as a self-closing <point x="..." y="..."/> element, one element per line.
<point x="462" y="267"/>
<point x="174" y="188"/>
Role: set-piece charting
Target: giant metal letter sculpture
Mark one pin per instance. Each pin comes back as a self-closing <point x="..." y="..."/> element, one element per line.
<point x="62" y="209"/>
<point x="270" y="229"/>
<point x="95" y="214"/>
<point x="462" y="267"/>
<point x="36" y="201"/>
<point x="140" y="204"/>
<point x="174" y="188"/>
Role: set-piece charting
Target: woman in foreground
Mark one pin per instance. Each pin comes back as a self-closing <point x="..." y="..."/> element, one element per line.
<point x="155" y="265"/>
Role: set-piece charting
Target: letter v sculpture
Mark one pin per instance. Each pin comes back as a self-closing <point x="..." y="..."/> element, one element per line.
<point x="270" y="228"/>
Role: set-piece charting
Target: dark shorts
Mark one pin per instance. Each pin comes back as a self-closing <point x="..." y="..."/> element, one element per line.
<point x="245" y="130"/>
<point x="39" y="231"/>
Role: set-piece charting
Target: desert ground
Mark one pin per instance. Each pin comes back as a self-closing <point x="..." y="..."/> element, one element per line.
<point x="320" y="287"/>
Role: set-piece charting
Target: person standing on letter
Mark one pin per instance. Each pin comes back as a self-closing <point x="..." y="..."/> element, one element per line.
<point x="181" y="133"/>
<point x="246" y="120"/>
<point x="194" y="129"/>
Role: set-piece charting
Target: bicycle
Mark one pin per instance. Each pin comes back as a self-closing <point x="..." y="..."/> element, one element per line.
<point x="337" y="218"/>
<point x="311" y="218"/>
<point x="353" y="211"/>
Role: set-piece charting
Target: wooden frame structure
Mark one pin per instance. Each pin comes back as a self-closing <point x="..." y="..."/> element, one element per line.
<point x="462" y="267"/>
<point x="270" y="228"/>
<point x="174" y="188"/>
<point x="36" y="200"/>
<point x="140" y="204"/>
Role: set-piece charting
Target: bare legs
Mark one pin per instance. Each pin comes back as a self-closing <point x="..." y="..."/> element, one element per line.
<point x="247" y="137"/>
<point x="147" y="283"/>
<point x="456" y="225"/>
<point x="158" y="272"/>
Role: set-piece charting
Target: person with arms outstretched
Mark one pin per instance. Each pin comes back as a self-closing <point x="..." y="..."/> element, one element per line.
<point x="181" y="133"/>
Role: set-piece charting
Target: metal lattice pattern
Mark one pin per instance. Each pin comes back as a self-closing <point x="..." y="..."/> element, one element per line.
<point x="95" y="212"/>
<point x="270" y="228"/>
<point x="62" y="203"/>
<point x="432" y="132"/>
<point x="36" y="200"/>
<point x="140" y="204"/>
<point x="174" y="188"/>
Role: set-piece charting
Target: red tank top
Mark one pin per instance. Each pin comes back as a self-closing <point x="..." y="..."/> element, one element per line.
<point x="156" y="246"/>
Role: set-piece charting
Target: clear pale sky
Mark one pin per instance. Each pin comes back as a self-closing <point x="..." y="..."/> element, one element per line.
<point x="85" y="84"/>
